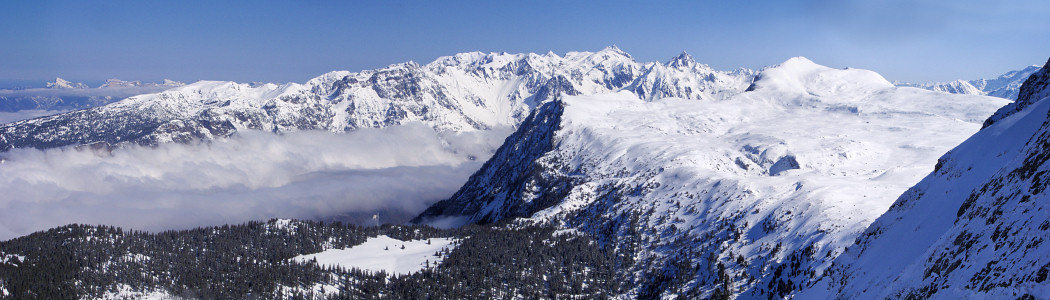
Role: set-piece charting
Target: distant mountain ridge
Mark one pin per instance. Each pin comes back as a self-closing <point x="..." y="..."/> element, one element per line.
<point x="60" y="83"/>
<point x="62" y="95"/>
<point x="1005" y="86"/>
<point x="467" y="91"/>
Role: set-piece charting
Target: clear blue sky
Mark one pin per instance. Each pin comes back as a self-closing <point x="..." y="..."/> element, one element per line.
<point x="281" y="41"/>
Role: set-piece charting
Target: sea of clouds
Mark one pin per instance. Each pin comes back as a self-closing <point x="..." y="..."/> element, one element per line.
<point x="250" y="176"/>
<point x="118" y="92"/>
<point x="8" y="117"/>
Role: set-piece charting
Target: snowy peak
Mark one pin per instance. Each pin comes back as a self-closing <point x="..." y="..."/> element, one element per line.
<point x="799" y="63"/>
<point x="60" y="83"/>
<point x="801" y="75"/>
<point x="683" y="60"/>
<point x="613" y="51"/>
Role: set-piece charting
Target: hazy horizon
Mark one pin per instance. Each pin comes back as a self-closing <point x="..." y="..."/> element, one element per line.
<point x="95" y="82"/>
<point x="909" y="41"/>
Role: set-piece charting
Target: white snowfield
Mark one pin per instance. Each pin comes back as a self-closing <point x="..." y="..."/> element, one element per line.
<point x="123" y="291"/>
<point x="386" y="254"/>
<point x="809" y="157"/>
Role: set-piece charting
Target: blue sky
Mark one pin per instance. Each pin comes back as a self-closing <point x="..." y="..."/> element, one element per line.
<point x="281" y="41"/>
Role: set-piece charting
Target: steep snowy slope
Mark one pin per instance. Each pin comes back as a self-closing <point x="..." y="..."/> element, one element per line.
<point x="467" y="91"/>
<point x="747" y="196"/>
<point x="975" y="227"/>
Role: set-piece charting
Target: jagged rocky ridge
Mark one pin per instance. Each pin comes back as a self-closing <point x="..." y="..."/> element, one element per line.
<point x="1005" y="86"/>
<point x="752" y="196"/>
<point x="974" y="228"/>
<point x="467" y="91"/>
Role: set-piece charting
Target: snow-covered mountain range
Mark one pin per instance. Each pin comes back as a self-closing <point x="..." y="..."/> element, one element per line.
<point x="798" y="180"/>
<point x="1004" y="86"/>
<point x="750" y="196"/>
<point x="468" y="91"/>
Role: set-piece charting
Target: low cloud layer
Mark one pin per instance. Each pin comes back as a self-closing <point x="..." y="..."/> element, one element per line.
<point x="115" y="92"/>
<point x="252" y="176"/>
<point x="8" y="117"/>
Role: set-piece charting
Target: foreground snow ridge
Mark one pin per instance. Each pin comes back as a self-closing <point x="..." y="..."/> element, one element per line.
<point x="386" y="254"/>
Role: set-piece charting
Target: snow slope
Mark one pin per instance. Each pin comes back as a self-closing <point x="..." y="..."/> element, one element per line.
<point x="975" y="227"/>
<point x="749" y="196"/>
<point x="385" y="254"/>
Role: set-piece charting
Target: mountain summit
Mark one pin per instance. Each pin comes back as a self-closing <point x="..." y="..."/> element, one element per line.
<point x="683" y="60"/>
<point x="60" y="83"/>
